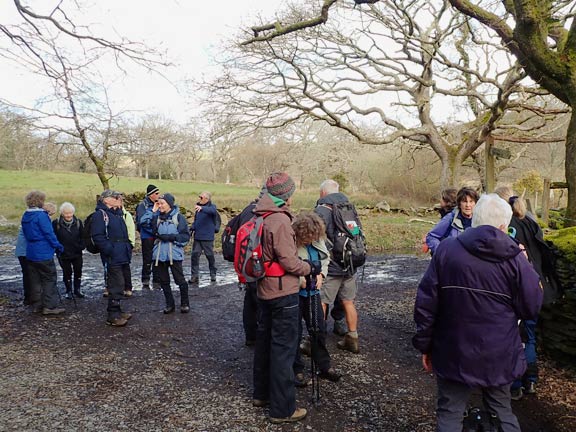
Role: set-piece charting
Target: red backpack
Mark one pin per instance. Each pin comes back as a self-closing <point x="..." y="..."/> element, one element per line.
<point x="248" y="261"/>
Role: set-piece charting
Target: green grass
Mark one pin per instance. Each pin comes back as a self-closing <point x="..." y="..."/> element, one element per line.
<point x="385" y="233"/>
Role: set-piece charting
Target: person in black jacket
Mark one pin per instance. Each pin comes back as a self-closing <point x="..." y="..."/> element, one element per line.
<point x="110" y="235"/>
<point x="68" y="230"/>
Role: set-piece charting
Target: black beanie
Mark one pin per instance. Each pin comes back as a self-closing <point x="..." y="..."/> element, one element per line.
<point x="151" y="189"/>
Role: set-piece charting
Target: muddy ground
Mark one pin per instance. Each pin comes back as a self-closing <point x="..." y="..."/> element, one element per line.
<point x="192" y="372"/>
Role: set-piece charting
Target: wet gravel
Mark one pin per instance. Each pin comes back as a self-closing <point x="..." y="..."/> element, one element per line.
<point x="193" y="373"/>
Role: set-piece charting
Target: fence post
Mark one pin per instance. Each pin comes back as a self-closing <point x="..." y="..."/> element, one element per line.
<point x="545" y="200"/>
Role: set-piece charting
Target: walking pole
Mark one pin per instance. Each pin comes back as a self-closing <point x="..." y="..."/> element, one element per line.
<point x="313" y="331"/>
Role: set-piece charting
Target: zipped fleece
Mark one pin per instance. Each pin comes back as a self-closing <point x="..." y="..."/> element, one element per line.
<point x="476" y="288"/>
<point x="279" y="244"/>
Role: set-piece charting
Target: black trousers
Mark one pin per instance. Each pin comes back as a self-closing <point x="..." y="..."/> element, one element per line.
<point x="163" y="270"/>
<point x="71" y="267"/>
<point x="274" y="354"/>
<point x="147" y="269"/>
<point x="43" y="290"/>
<point x="250" y="311"/>
<point x="25" y="278"/>
<point x="313" y="315"/>
<point x="115" y="284"/>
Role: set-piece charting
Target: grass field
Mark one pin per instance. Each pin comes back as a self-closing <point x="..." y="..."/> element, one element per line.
<point x="385" y="233"/>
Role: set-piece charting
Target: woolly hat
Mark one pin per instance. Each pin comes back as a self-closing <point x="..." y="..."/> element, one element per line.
<point x="169" y="198"/>
<point x="151" y="189"/>
<point x="280" y="185"/>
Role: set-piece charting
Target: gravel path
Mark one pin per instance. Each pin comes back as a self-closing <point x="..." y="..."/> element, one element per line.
<point x="193" y="373"/>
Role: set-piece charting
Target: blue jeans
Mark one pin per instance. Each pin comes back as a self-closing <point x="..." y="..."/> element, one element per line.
<point x="531" y="374"/>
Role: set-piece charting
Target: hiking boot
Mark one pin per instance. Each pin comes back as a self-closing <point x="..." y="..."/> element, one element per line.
<point x="300" y="380"/>
<point x="128" y="293"/>
<point x="68" y="295"/>
<point x="168" y="310"/>
<point x="126" y="315"/>
<point x="517" y="393"/>
<point x="106" y="293"/>
<point x="193" y="280"/>
<point x="54" y="311"/>
<point x="184" y="309"/>
<point x="156" y="285"/>
<point x="79" y="294"/>
<point x="330" y="375"/>
<point x="260" y="403"/>
<point x="117" y="322"/>
<point x="349" y="344"/>
<point x="299" y="414"/>
<point x="530" y="387"/>
<point x="340" y="327"/>
<point x="305" y="347"/>
<point x="145" y="285"/>
<point x="213" y="278"/>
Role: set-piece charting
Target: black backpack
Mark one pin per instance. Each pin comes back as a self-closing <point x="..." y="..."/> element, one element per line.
<point x="479" y="420"/>
<point x="231" y="229"/>
<point x="349" y="243"/>
<point x="87" y="232"/>
<point x="217" y="222"/>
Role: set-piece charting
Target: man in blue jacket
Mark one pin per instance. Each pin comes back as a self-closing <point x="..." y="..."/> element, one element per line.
<point x="203" y="228"/>
<point x="110" y="235"/>
<point x="476" y="288"/>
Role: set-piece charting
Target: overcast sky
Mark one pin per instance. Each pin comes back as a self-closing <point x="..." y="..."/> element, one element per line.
<point x="190" y="30"/>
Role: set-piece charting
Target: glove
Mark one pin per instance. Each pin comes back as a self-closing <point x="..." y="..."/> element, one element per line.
<point x="167" y="237"/>
<point x="316" y="267"/>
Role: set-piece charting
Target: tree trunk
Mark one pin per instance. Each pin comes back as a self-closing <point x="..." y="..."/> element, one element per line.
<point x="570" y="170"/>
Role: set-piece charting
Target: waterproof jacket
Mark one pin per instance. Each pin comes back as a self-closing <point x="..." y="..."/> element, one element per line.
<point x="205" y="222"/>
<point x="70" y="235"/>
<point x="468" y="304"/>
<point x="112" y="240"/>
<point x="449" y="226"/>
<point x="20" y="250"/>
<point x="41" y="242"/>
<point x="145" y="231"/>
<point x="529" y="233"/>
<point x="279" y="245"/>
<point x="323" y="209"/>
<point x="323" y="254"/>
<point x="163" y="223"/>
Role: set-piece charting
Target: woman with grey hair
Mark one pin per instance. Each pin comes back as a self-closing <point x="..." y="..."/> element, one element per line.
<point x="41" y="243"/>
<point x="68" y="229"/>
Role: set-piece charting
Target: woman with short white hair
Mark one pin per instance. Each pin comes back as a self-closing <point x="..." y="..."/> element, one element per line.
<point x="68" y="229"/>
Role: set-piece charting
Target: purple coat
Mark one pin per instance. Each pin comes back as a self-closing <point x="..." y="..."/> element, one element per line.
<point x="468" y="304"/>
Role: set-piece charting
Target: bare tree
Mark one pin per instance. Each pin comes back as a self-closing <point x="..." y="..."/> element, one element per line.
<point x="394" y="73"/>
<point x="68" y="54"/>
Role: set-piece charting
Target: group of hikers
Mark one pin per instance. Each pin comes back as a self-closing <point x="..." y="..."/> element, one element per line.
<point x="489" y="269"/>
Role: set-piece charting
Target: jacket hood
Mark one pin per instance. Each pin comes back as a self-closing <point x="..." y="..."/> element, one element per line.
<point x="333" y="198"/>
<point x="265" y="205"/>
<point x="31" y="214"/>
<point x="489" y="243"/>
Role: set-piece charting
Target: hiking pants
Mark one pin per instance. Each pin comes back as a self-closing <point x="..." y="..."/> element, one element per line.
<point x="163" y="270"/>
<point x="274" y="354"/>
<point x="199" y="246"/>
<point x="250" y="311"/>
<point x="531" y="374"/>
<point x="115" y="284"/>
<point x="453" y="398"/>
<point x="71" y="267"/>
<point x="316" y="326"/>
<point x="25" y="279"/>
<point x="43" y="290"/>
<point x="147" y="270"/>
